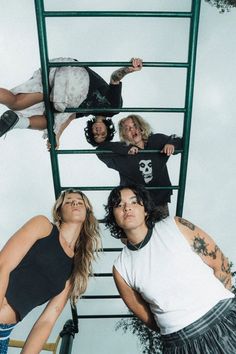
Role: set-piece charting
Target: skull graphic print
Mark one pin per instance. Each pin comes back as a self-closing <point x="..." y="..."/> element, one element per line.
<point x="145" y="167"/>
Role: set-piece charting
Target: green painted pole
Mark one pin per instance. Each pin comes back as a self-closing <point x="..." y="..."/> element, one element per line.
<point x="43" y="51"/>
<point x="192" y="51"/>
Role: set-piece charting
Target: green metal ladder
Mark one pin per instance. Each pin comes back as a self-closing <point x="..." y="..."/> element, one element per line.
<point x="189" y="66"/>
<point x="193" y="15"/>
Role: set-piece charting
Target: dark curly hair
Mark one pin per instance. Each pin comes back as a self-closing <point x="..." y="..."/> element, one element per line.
<point x="143" y="198"/>
<point x="89" y="134"/>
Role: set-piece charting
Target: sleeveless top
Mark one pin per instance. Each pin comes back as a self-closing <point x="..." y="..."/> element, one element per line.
<point x="40" y="275"/>
<point x="179" y="287"/>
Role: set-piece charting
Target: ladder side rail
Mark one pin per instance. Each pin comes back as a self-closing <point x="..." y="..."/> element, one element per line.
<point x="43" y="51"/>
<point x="67" y="337"/>
<point x="192" y="51"/>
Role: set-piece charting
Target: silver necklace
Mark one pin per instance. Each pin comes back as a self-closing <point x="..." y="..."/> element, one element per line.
<point x="139" y="244"/>
<point x="69" y="244"/>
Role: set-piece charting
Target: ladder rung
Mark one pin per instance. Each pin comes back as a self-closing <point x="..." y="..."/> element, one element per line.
<point x="110" y="250"/>
<point x="120" y="64"/>
<point x="127" y="109"/>
<point x="173" y="14"/>
<point x="101" y="297"/>
<point x="107" y="188"/>
<point x="97" y="152"/>
<point x="104" y="316"/>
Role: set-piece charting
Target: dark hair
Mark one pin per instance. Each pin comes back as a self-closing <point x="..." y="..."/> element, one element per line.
<point x="143" y="198"/>
<point x="89" y="134"/>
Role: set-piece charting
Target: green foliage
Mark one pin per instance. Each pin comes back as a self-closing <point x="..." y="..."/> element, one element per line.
<point x="149" y="340"/>
<point x="222" y="5"/>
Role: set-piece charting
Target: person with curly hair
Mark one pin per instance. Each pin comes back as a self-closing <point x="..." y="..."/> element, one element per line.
<point x="99" y="130"/>
<point x="172" y="276"/>
<point x="71" y="87"/>
<point x="47" y="262"/>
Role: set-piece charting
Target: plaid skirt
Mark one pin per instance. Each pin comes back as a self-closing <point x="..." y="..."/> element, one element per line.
<point x="213" y="333"/>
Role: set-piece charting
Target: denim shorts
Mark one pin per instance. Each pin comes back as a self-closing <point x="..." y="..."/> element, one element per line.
<point x="5" y="331"/>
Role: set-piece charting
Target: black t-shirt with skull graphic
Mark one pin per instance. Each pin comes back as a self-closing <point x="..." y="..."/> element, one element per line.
<point x="148" y="169"/>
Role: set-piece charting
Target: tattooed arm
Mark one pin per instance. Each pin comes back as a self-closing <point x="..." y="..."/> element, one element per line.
<point x="118" y="75"/>
<point x="206" y="248"/>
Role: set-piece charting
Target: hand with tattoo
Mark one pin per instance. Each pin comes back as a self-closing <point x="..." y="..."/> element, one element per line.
<point x="118" y="75"/>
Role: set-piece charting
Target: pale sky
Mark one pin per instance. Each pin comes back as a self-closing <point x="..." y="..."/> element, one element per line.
<point x="25" y="173"/>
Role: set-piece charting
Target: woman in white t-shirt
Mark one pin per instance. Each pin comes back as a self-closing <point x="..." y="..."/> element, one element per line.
<point x="172" y="276"/>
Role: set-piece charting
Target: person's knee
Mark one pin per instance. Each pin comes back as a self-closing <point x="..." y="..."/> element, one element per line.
<point x="16" y="103"/>
<point x="25" y="100"/>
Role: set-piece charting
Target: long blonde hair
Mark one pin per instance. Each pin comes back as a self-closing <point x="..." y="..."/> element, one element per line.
<point x="144" y="127"/>
<point x="86" y="246"/>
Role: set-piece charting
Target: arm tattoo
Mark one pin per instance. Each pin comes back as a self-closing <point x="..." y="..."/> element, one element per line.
<point x="225" y="265"/>
<point x="225" y="274"/>
<point x="119" y="74"/>
<point x="225" y="280"/>
<point x="187" y="223"/>
<point x="200" y="247"/>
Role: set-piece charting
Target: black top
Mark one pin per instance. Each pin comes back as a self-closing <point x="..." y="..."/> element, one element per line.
<point x="101" y="95"/>
<point x="147" y="169"/>
<point x="40" y="275"/>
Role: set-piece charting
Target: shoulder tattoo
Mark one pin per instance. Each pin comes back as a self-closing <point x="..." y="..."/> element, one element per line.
<point x="201" y="247"/>
<point x="186" y="223"/>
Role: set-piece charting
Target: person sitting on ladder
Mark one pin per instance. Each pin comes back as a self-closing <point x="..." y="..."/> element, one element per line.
<point x="71" y="87"/>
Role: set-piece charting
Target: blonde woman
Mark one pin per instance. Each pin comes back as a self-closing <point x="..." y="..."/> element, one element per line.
<point x="47" y="262"/>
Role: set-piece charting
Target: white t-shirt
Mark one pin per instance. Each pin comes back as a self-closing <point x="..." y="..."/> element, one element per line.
<point x="171" y="277"/>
